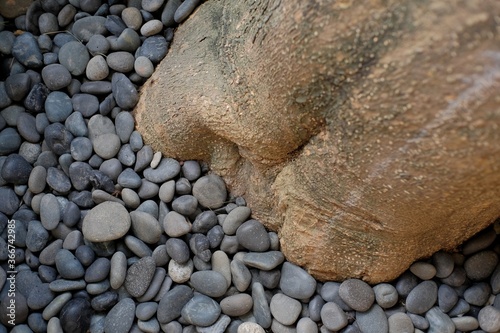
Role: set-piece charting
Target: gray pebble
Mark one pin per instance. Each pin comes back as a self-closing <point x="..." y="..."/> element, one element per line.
<point x="270" y="260"/>
<point x="422" y="297"/>
<point x="73" y="240"/>
<point x="26" y="126"/>
<point x="447" y="297"/>
<point x="400" y="323"/>
<point x="333" y="317"/>
<point x="56" y="305"/>
<point x="154" y="48"/>
<point x="121" y="317"/>
<point x="96" y="87"/>
<point x="16" y="170"/>
<point x="172" y="303"/>
<point x="176" y="225"/>
<point x="58" y="138"/>
<point x="296" y="282"/>
<point x="183" y="186"/>
<point x="180" y="273"/>
<point x="107" y="145"/>
<point x="139" y="276"/>
<point x="76" y="124"/>
<point x="210" y="283"/>
<point x="50" y="211"/>
<point x="261" y="310"/>
<point x="145" y="311"/>
<point x="124" y="123"/>
<point x="419" y="322"/>
<point x="456" y="278"/>
<point x="137" y="246"/>
<point x="56" y="76"/>
<point x="235" y="219"/>
<point x="81" y="149"/>
<point x="58" y="106"/>
<point x="80" y="174"/>
<point x="439" y="322"/>
<point x="48" y="254"/>
<point x="129" y="178"/>
<point x="161" y="256"/>
<point x="477" y="294"/>
<point x="230" y="245"/>
<point x="156" y="284"/>
<point x="465" y="323"/>
<point x="167" y="15"/>
<point x="105" y="222"/>
<point x="145" y="227"/>
<point x="386" y="295"/>
<point x="17" y="86"/>
<point x="443" y="262"/>
<point x="240" y="275"/>
<point x="86" y="104"/>
<point x="104" y="301"/>
<point x="68" y="265"/>
<point x="120" y="61"/>
<point x="124" y="91"/>
<point x="166" y="170"/>
<point x="315" y="306"/>
<point x="118" y="269"/>
<point x="86" y="27"/>
<point x="480" y="265"/>
<point x="26" y="50"/>
<point x="489" y="319"/>
<point x="97" y="68"/>
<point x="167" y="190"/>
<point x="74" y="56"/>
<point x="210" y="191"/>
<point x="285" y="309"/>
<point x="136" y="142"/>
<point x="143" y="66"/>
<point x="65" y="15"/>
<point x="112" y="168"/>
<point x="185" y="9"/>
<point x="253" y="236"/>
<point x="7" y="39"/>
<point x="131" y="198"/>
<point x="35" y="100"/>
<point x="128" y="40"/>
<point x="185" y="205"/>
<point x="10" y="141"/>
<point x="132" y="18"/>
<point x="423" y="270"/>
<point x="178" y="250"/>
<point x="126" y="156"/>
<point x="98" y="270"/>
<point x="37" y="236"/>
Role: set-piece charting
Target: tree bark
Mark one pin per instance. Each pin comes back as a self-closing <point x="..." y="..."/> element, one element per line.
<point x="365" y="132"/>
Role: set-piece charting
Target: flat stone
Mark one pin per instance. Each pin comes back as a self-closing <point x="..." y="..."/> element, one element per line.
<point x="121" y="317"/>
<point x="171" y="304"/>
<point x="86" y="104"/>
<point x="210" y="283"/>
<point x="236" y="305"/>
<point x="139" y="276"/>
<point x="86" y="27"/>
<point x="285" y="309"/>
<point x="400" y="323"/>
<point x="201" y="310"/>
<point x="261" y="310"/>
<point x="74" y="56"/>
<point x="166" y="170"/>
<point x="137" y="246"/>
<point x="210" y="191"/>
<point x="439" y="322"/>
<point x="145" y="227"/>
<point x="333" y="317"/>
<point x="235" y="219"/>
<point x="105" y="222"/>
<point x="296" y="282"/>
<point x="265" y="260"/>
<point x="154" y="48"/>
<point x="465" y="323"/>
<point x="386" y="295"/>
<point x="480" y="265"/>
<point x="62" y="285"/>
<point x="58" y="181"/>
<point x="422" y="297"/>
<point x="253" y="236"/>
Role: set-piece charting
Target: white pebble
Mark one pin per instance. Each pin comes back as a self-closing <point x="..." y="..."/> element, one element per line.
<point x="156" y="159"/>
<point x="151" y="28"/>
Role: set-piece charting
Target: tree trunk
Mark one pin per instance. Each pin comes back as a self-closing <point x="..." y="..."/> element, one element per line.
<point x="365" y="132"/>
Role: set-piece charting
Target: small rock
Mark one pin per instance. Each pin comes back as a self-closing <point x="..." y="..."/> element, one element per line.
<point x="489" y="319"/>
<point x="180" y="273"/>
<point x="105" y="222"/>
<point x="422" y="297"/>
<point x="121" y="317"/>
<point x="210" y="283"/>
<point x="400" y="323"/>
<point x="480" y="265"/>
<point x="270" y="260"/>
<point x="56" y="76"/>
<point x="172" y="303"/>
<point x="285" y="309"/>
<point x="75" y="57"/>
<point x="68" y="265"/>
<point x="139" y="276"/>
<point x="333" y="317"/>
<point x="75" y="315"/>
<point x="386" y="295"/>
<point x="210" y="191"/>
<point x="374" y="320"/>
<point x="439" y="322"/>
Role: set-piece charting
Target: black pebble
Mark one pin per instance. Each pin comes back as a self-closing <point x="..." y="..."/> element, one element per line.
<point x="75" y="316"/>
<point x="58" y="138"/>
<point x="16" y="170"/>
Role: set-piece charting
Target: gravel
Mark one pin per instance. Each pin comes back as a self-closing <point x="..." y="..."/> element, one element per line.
<point x="112" y="236"/>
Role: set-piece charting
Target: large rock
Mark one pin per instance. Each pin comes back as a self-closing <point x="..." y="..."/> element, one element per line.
<point x="356" y="138"/>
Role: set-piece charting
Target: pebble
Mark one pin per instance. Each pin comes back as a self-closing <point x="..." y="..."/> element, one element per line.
<point x="261" y="310"/>
<point x="86" y="104"/>
<point x="137" y="246"/>
<point x="270" y="260"/>
<point x="120" y="61"/>
<point x="121" y="317"/>
<point x="176" y="225"/>
<point x="400" y="323"/>
<point x="447" y="298"/>
<point x="185" y="9"/>
<point x="146" y="310"/>
<point x="145" y="227"/>
<point x="86" y="27"/>
<point x="151" y="28"/>
<point x="178" y="250"/>
<point x="477" y="294"/>
<point x="167" y="169"/>
<point x="296" y="282"/>
<point x="439" y="322"/>
<point x="25" y="49"/>
<point x="85" y="254"/>
<point x="154" y="48"/>
<point x="253" y="236"/>
<point x="210" y="191"/>
<point x="98" y="270"/>
<point x="285" y="309"/>
<point x="480" y="265"/>
<point x="75" y="57"/>
<point x="201" y="310"/>
<point x="124" y="92"/>
<point x="75" y="315"/>
<point x="465" y="323"/>
<point x="210" y="283"/>
<point x="17" y="86"/>
<point x="185" y="205"/>
<point x="333" y="317"/>
<point x="250" y="327"/>
<point x="423" y="270"/>
<point x="58" y="138"/>
<point x="172" y="303"/>
<point x="56" y="305"/>
<point x="139" y="276"/>
<point x="36" y="237"/>
<point x="386" y="295"/>
<point x="106" y="145"/>
<point x="68" y="265"/>
<point x="26" y="126"/>
<point x="50" y="212"/>
<point x="235" y="219"/>
<point x="180" y="273"/>
<point x="104" y="301"/>
<point x="56" y="76"/>
<point x="16" y="170"/>
<point x="422" y="297"/>
<point x="105" y="222"/>
<point x="118" y="269"/>
<point x="40" y="296"/>
<point x="489" y="319"/>
<point x="444" y="264"/>
<point x="10" y="141"/>
<point x="97" y="68"/>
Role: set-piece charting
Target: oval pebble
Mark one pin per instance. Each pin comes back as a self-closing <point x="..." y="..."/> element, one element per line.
<point x="121" y="317"/>
<point x="422" y="297"/>
<point x="56" y="76"/>
<point x="386" y="295"/>
<point x="120" y="61"/>
<point x="151" y="28"/>
<point x="210" y="283"/>
<point x="439" y="322"/>
<point x="185" y="9"/>
<point x="118" y="269"/>
<point x="97" y="68"/>
<point x="105" y="222"/>
<point x="357" y="294"/>
<point x="210" y="191"/>
<point x="333" y="317"/>
<point x="75" y="57"/>
<point x="479" y="266"/>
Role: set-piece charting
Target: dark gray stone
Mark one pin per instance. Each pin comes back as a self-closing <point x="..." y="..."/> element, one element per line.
<point x="210" y="283"/>
<point x="10" y="141"/>
<point x="439" y="322"/>
<point x="58" y="180"/>
<point x="422" y="297"/>
<point x="98" y="270"/>
<point x="166" y="170"/>
<point x="56" y="76"/>
<point x="10" y="202"/>
<point x="16" y="170"/>
<point x="201" y="310"/>
<point x="58" y="138"/>
<point x="26" y="126"/>
<point x="86" y="104"/>
<point x="68" y="266"/>
<point x="178" y="250"/>
<point x="40" y="296"/>
<point x="35" y="101"/>
<point x="17" y="86"/>
<point x="124" y="92"/>
<point x="447" y="297"/>
<point x="253" y="236"/>
<point x="480" y="265"/>
<point x="121" y="317"/>
<point x="86" y="27"/>
<point x="104" y="301"/>
<point x="139" y="276"/>
<point x="25" y="49"/>
<point x="172" y="302"/>
<point x="37" y="236"/>
<point x="154" y="48"/>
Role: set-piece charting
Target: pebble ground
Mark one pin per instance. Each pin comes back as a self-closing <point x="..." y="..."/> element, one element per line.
<point x="113" y="237"/>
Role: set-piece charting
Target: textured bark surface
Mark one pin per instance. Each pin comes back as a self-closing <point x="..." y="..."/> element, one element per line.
<point x="365" y="132"/>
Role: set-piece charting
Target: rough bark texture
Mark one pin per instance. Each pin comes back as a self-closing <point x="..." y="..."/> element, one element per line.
<point x="366" y="132"/>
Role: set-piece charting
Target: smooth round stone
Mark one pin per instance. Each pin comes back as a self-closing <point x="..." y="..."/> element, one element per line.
<point x="374" y="320"/>
<point x="423" y="270"/>
<point x="152" y="5"/>
<point x="480" y="265"/>
<point x="230" y="245"/>
<point x="456" y="278"/>
<point x="148" y="189"/>
<point x="419" y="322"/>
<point x="236" y="305"/>
<point x="99" y="125"/>
<point x="65" y="15"/>
<point x="465" y="323"/>
<point x="30" y="151"/>
<point x="357" y="294"/>
<point x="121" y="317"/>
<point x="201" y="310"/>
<point x="80" y="174"/>
<point x="36" y="237"/>
<point x="104" y="301"/>
<point x="57" y="180"/>
<point x="112" y="168"/>
<point x="17" y="86"/>
<point x="26" y="50"/>
<point x="96" y="87"/>
<point x="250" y="327"/>
<point x="118" y="270"/>
<point x="50" y="58"/>
<point x="479" y="242"/>
<point x="139" y="276"/>
<point x="439" y="322"/>
<point x="296" y="282"/>
<point x="315" y="306"/>
<point x="97" y="68"/>
<point x="447" y="297"/>
<point x="151" y="28"/>
<point x="40" y="296"/>
<point x="386" y="295"/>
<point x="81" y="149"/>
<point x="422" y="297"/>
<point x="172" y="303"/>
<point x="124" y="92"/>
<point x="35" y="100"/>
<point x="124" y="123"/>
<point x="71" y="215"/>
<point x="185" y="9"/>
<point x="178" y="250"/>
<point x="68" y="265"/>
<point x="234" y="219"/>
<point x="131" y="198"/>
<point x="136" y="142"/>
<point x="166" y="170"/>
<point x="120" y="61"/>
<point x="156" y="159"/>
<point x="478" y="294"/>
<point x="75" y="315"/>
<point x="76" y="124"/>
<point x="50" y="211"/>
<point x="210" y="191"/>
<point x="16" y="169"/>
<point x="167" y="191"/>
<point x="285" y="309"/>
<point x="160" y="255"/>
<point x="56" y="76"/>
<point x="204" y="222"/>
<point x="145" y="311"/>
<point x="58" y="138"/>
<point x="183" y="186"/>
<point x="6" y="41"/>
<point x="26" y="126"/>
<point x="73" y="240"/>
<point x="107" y="145"/>
<point x="132" y="18"/>
<point x="444" y="264"/>
<point x="144" y="157"/>
<point x="489" y="319"/>
<point x="145" y="227"/>
<point x="47" y="22"/>
<point x="143" y="66"/>
<point x="185" y="205"/>
<point x="270" y="260"/>
<point x="126" y="156"/>
<point x="138" y="247"/>
<point x="56" y="305"/>
<point x="253" y="236"/>
<point x="106" y="222"/>
<point x="10" y="141"/>
<point x="11" y="113"/>
<point x="98" y="270"/>
<point x="240" y="275"/>
<point x="210" y="283"/>
<point x="86" y="104"/>
<point x="48" y="254"/>
<point x="154" y="48"/>
<point x="180" y="273"/>
<point x="129" y="178"/>
<point x="75" y="57"/>
<point x="400" y="323"/>
<point x="10" y="202"/>
<point x="167" y="15"/>
<point x="36" y="322"/>
<point x="333" y="317"/>
<point x="86" y="27"/>
<point x="128" y="40"/>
